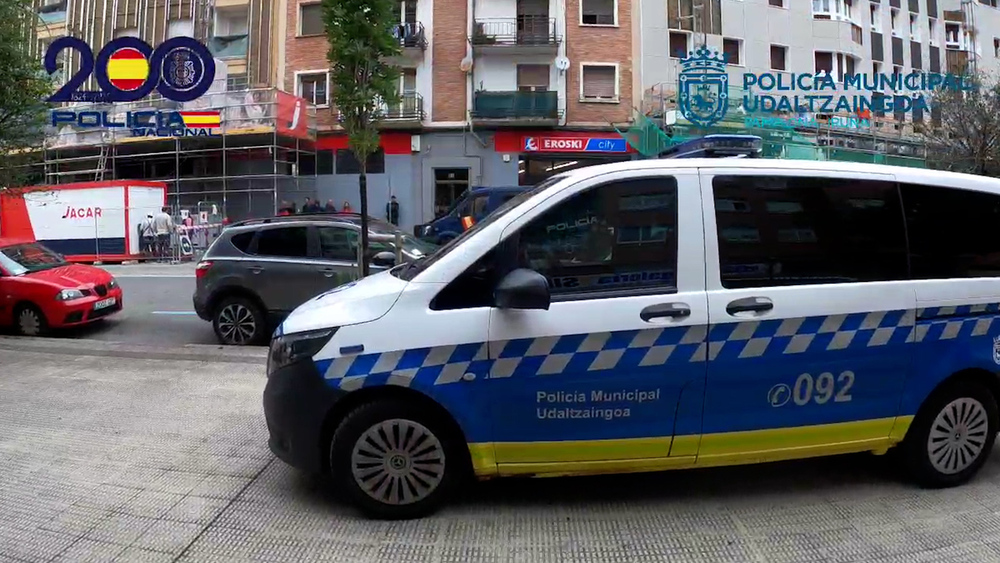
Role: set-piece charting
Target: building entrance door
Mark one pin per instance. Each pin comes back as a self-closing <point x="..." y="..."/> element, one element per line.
<point x="449" y="185"/>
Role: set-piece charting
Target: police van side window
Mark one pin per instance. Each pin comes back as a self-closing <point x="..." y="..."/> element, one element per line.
<point x="952" y="232"/>
<point x="617" y="236"/>
<point x="799" y="230"/>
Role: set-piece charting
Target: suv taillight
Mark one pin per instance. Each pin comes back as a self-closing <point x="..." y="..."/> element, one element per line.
<point x="201" y="269"/>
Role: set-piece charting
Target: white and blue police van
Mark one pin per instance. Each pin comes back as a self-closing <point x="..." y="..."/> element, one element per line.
<point x="653" y="315"/>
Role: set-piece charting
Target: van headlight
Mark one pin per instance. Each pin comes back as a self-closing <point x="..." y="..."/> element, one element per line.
<point x="69" y="295"/>
<point x="290" y="348"/>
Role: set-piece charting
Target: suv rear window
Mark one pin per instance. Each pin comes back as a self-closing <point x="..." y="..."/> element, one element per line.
<point x="242" y="241"/>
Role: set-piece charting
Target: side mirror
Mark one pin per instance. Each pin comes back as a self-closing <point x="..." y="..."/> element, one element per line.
<point x="523" y="289"/>
<point x="384" y="259"/>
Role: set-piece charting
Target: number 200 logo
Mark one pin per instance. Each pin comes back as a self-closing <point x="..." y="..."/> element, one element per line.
<point x="128" y="69"/>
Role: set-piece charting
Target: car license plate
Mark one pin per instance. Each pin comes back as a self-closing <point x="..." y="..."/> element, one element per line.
<point x="104" y="304"/>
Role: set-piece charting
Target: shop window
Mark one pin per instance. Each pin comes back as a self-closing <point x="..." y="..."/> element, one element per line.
<point x="951" y="232"/>
<point x="324" y="162"/>
<point x="600" y="83"/>
<point x="598" y="12"/>
<point x="620" y="235"/>
<point x="311" y="19"/>
<point x="347" y="163"/>
<point x="823" y="236"/>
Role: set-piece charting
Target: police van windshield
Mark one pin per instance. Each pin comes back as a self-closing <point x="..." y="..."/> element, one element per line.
<point x="410" y="270"/>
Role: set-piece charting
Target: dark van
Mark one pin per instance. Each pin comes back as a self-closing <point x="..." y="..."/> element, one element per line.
<point x="469" y="209"/>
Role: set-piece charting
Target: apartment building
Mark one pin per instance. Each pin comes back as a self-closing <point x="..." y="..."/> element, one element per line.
<point x="492" y="93"/>
<point x="814" y="36"/>
<point x="243" y="171"/>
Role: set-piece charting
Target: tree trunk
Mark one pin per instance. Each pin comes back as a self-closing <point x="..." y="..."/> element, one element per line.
<point x="363" y="184"/>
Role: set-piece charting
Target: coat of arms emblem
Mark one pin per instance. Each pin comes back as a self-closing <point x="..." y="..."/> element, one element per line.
<point x="704" y="87"/>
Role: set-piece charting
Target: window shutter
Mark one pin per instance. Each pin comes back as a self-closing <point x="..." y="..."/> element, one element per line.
<point x="536" y="76"/>
<point x="599" y="82"/>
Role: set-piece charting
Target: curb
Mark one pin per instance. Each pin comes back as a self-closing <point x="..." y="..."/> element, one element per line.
<point x="189" y="352"/>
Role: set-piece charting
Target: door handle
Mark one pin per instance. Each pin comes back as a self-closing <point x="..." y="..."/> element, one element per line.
<point x="749" y="304"/>
<point x="661" y="310"/>
<point x="256" y="269"/>
<point x="328" y="272"/>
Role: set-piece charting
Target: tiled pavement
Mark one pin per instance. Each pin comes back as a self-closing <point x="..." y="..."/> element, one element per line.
<point x="118" y="459"/>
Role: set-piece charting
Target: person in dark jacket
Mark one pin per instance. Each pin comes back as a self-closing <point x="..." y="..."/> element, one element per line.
<point x="330" y="207"/>
<point x="392" y="211"/>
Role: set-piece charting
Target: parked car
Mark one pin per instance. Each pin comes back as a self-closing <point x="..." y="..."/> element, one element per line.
<point x="258" y="271"/>
<point x="469" y="209"/>
<point x="40" y="290"/>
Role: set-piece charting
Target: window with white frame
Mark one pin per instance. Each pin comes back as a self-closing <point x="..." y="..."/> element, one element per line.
<point x="779" y="57"/>
<point x="599" y="83"/>
<point x="314" y="87"/>
<point x="532" y="78"/>
<point x="832" y="9"/>
<point x="733" y="51"/>
<point x="680" y="44"/>
<point x="776" y="3"/>
<point x="914" y="27"/>
<point x="953" y="36"/>
<point x="876" y="16"/>
<point x="311" y="19"/>
<point x="598" y="12"/>
<point x="894" y="21"/>
<point x="932" y="31"/>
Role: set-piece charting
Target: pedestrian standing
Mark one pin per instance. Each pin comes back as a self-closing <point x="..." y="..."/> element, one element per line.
<point x="392" y="211"/>
<point x="163" y="227"/>
<point x="148" y="236"/>
<point x="330" y="207"/>
<point x="347" y="207"/>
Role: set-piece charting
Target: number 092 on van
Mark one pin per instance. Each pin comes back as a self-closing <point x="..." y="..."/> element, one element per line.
<point x="656" y="315"/>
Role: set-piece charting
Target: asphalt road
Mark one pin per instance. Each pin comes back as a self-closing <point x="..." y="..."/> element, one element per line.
<point x="158" y="309"/>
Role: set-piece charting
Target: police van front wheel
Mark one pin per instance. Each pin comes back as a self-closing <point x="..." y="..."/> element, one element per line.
<point x="952" y="435"/>
<point x="393" y="461"/>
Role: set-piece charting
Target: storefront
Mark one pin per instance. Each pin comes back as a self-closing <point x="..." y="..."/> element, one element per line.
<point x="544" y="154"/>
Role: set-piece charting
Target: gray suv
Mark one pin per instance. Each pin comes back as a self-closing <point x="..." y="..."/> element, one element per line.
<point x="258" y="271"/>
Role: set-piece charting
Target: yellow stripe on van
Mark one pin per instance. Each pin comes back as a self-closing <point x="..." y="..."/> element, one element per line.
<point x="586" y="457"/>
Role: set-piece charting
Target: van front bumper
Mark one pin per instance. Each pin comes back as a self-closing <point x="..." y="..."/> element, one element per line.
<point x="296" y="403"/>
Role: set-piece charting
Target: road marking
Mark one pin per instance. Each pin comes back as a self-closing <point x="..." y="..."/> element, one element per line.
<point x="174" y="313"/>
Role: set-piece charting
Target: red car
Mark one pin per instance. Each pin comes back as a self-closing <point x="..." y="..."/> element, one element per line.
<point x="39" y="290"/>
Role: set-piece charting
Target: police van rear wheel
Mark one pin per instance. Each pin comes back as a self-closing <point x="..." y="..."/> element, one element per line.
<point x="952" y="435"/>
<point x="393" y="460"/>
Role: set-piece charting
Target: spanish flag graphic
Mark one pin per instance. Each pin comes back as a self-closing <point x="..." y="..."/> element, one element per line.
<point x="201" y="119"/>
<point x="128" y="69"/>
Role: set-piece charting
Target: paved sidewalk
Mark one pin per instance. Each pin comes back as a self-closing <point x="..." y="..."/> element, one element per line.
<point x="115" y="458"/>
<point x="151" y="269"/>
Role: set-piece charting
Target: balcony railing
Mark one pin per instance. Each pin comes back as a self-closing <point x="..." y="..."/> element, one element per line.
<point x="515" y="105"/>
<point x="229" y="46"/>
<point x="522" y="30"/>
<point x="411" y="35"/>
<point x="409" y="107"/>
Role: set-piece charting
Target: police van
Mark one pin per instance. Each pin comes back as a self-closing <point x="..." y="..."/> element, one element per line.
<point x="653" y="315"/>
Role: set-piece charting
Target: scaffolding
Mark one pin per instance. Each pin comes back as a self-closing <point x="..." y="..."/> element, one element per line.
<point x="244" y="170"/>
<point x="844" y="137"/>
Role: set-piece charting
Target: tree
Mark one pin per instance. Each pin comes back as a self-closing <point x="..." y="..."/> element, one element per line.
<point x="967" y="139"/>
<point x="24" y="88"/>
<point x="361" y="34"/>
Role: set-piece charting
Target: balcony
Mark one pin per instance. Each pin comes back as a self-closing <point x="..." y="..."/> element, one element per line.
<point x="229" y="47"/>
<point x="516" y="108"/>
<point x="412" y="43"/>
<point x="408" y="111"/>
<point x="523" y="35"/>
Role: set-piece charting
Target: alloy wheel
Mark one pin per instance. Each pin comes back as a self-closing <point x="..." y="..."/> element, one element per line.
<point x="398" y="462"/>
<point x="29" y="322"/>
<point x="236" y="324"/>
<point x="958" y="436"/>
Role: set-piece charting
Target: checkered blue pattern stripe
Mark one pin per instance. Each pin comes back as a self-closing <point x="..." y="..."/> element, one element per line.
<point x="624" y="350"/>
